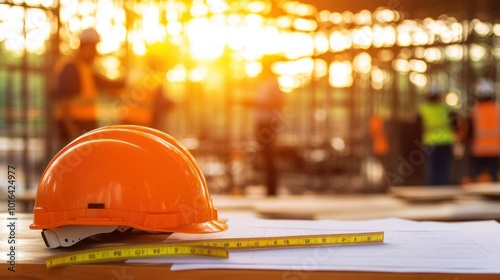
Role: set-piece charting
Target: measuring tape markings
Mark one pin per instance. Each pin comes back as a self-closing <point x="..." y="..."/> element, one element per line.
<point x="212" y="248"/>
<point x="135" y="252"/>
<point x="292" y="241"/>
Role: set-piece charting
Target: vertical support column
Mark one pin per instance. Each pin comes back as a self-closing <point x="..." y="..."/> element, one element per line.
<point x="24" y="115"/>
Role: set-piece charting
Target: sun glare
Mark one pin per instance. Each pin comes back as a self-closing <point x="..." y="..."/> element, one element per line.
<point x="214" y="30"/>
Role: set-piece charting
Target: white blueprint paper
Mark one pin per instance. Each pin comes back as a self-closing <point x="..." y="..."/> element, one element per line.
<point x="409" y="246"/>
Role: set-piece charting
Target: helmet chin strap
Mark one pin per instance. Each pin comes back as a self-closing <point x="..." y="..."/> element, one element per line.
<point x="69" y="235"/>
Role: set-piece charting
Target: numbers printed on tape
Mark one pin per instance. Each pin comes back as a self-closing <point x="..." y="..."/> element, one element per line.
<point x="211" y="248"/>
<point x="134" y="252"/>
<point x="294" y="241"/>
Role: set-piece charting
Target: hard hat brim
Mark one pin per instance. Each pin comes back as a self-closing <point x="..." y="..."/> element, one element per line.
<point x="206" y="227"/>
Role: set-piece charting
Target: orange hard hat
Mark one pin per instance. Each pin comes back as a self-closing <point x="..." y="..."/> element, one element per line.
<point x="120" y="177"/>
<point x="89" y="36"/>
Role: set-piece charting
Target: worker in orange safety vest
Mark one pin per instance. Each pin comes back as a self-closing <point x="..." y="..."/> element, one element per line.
<point x="78" y="85"/>
<point x="380" y="144"/>
<point x="484" y="132"/>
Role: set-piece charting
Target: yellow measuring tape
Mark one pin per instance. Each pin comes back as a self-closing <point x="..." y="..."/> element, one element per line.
<point x="153" y="250"/>
<point x="211" y="248"/>
<point x="292" y="241"/>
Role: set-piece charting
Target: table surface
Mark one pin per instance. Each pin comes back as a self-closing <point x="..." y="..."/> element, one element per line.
<point x="417" y="203"/>
<point x="31" y="252"/>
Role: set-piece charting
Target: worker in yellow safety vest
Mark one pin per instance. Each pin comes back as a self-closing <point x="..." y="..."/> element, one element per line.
<point x="484" y="131"/>
<point x="436" y="121"/>
<point x="78" y="86"/>
<point x="146" y="101"/>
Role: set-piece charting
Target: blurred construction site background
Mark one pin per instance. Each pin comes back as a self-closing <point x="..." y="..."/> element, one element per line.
<point x="340" y="63"/>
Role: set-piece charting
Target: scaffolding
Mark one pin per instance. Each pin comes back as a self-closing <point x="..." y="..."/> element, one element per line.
<point x="361" y="63"/>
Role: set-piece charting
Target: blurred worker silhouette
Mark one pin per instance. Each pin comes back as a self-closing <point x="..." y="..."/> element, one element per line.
<point x="78" y="86"/>
<point x="380" y="142"/>
<point x="437" y="125"/>
<point x="483" y="133"/>
<point x="268" y="106"/>
<point x="145" y="102"/>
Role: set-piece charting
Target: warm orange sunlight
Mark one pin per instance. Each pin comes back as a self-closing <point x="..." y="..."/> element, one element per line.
<point x="209" y="31"/>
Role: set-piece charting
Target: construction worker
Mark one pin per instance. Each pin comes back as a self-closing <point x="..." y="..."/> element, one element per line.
<point x="146" y="101"/>
<point x="484" y="132"/>
<point x="436" y="122"/>
<point x="268" y="104"/>
<point x="78" y="88"/>
<point x="380" y="142"/>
